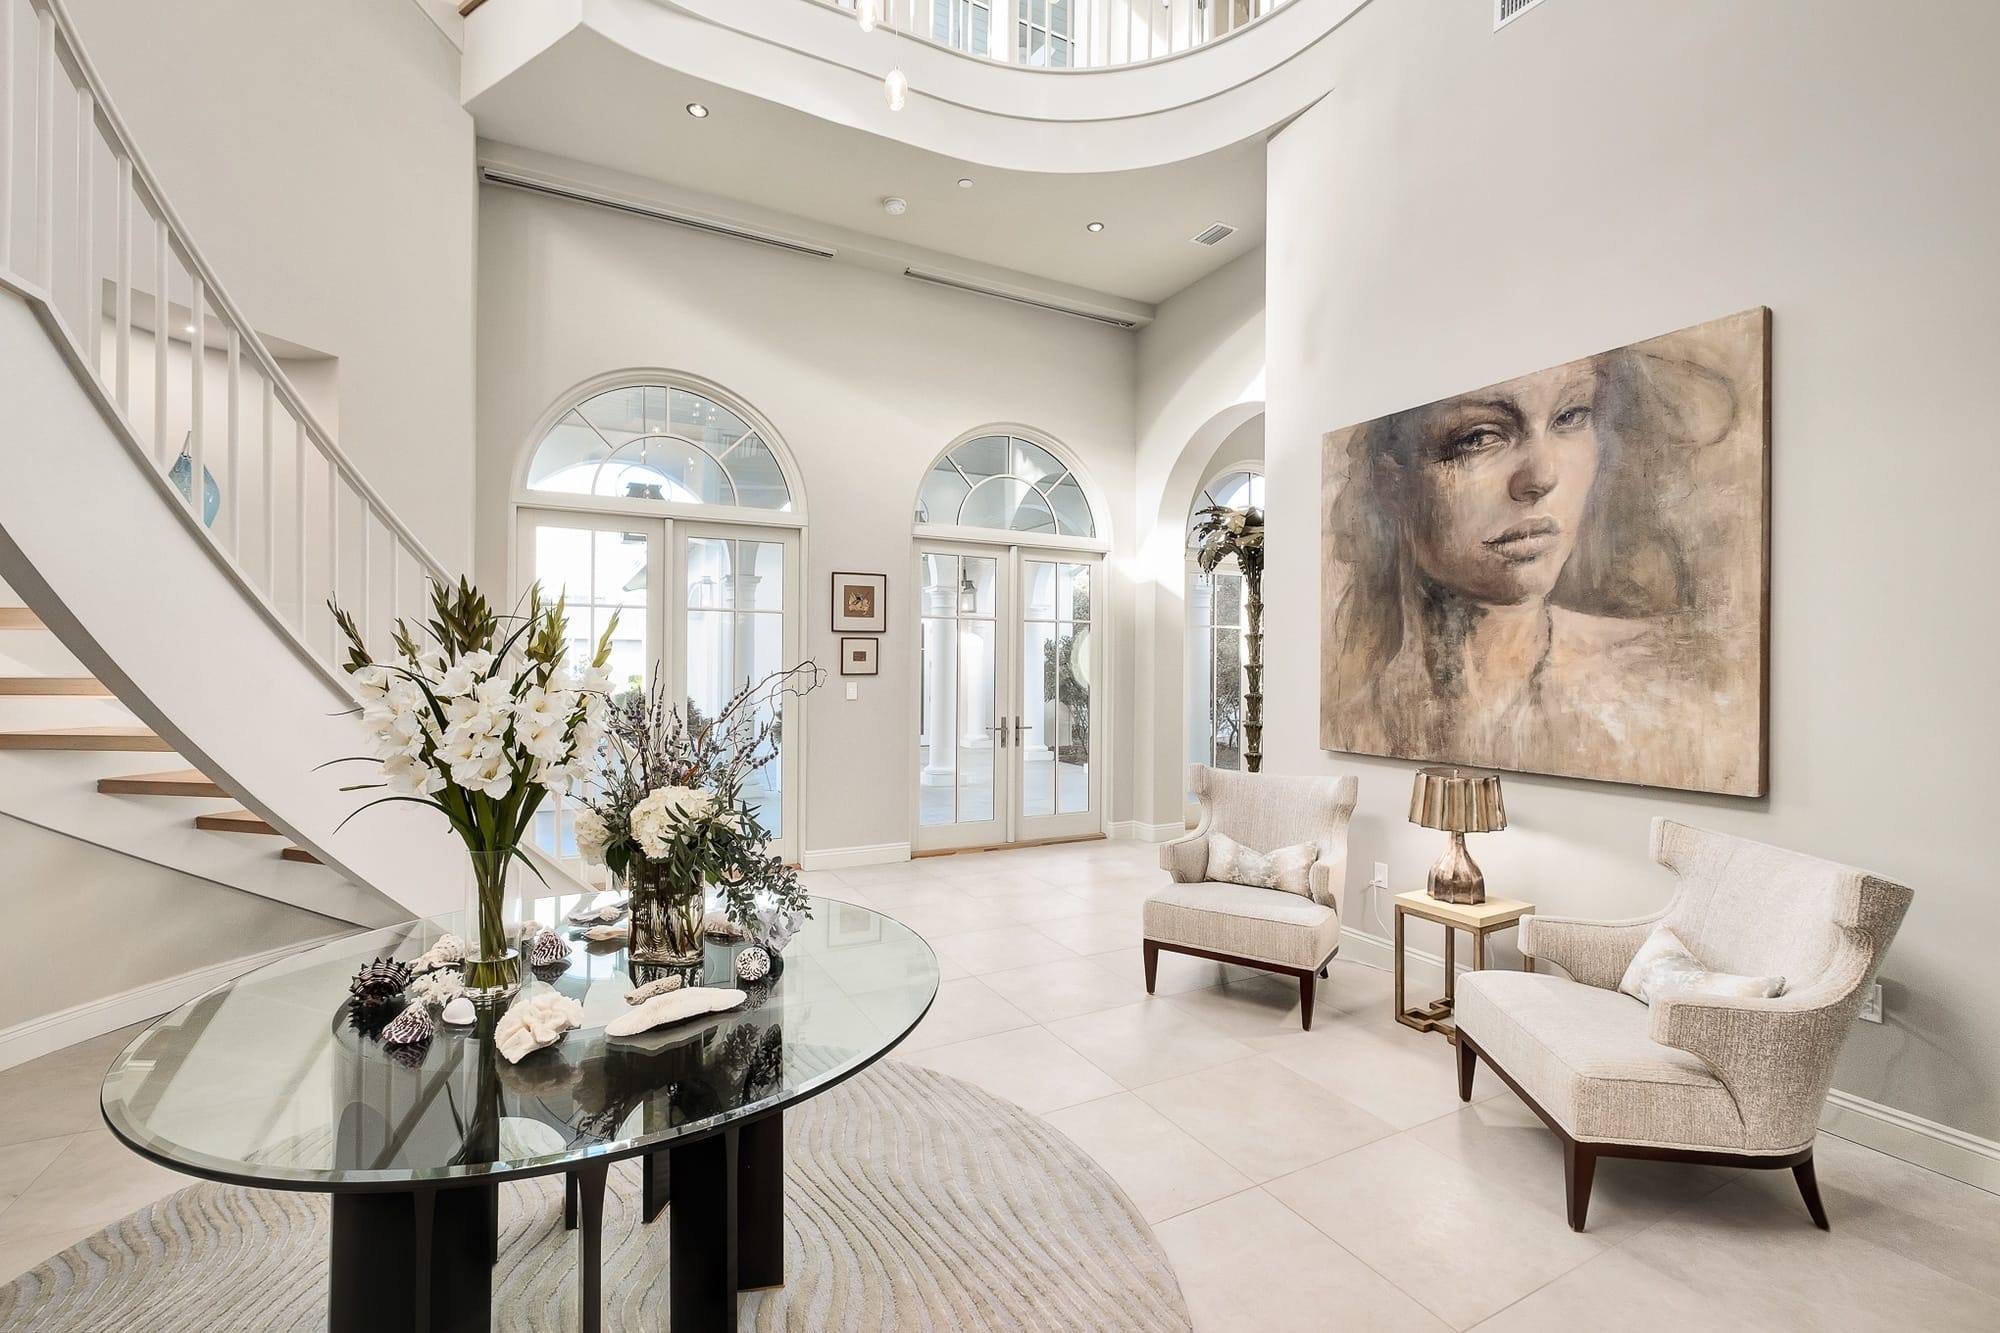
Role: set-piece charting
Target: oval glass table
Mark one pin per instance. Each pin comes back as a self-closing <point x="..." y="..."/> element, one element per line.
<point x="277" y="1081"/>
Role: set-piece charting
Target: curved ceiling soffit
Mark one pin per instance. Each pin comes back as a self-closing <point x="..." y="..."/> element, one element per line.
<point x="813" y="58"/>
<point x="1194" y="467"/>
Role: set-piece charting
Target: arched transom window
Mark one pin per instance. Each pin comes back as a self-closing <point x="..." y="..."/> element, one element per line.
<point x="659" y="442"/>
<point x="1005" y="483"/>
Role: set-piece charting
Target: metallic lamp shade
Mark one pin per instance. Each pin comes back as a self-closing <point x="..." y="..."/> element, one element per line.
<point x="1459" y="801"/>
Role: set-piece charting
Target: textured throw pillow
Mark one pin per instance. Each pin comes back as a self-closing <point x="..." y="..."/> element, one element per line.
<point x="1664" y="966"/>
<point x="1288" y="869"/>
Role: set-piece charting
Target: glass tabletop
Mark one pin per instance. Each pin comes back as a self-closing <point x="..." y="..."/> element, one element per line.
<point x="276" y="1079"/>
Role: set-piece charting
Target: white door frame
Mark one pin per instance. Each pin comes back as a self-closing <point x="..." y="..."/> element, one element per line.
<point x="1010" y="823"/>
<point x="666" y="570"/>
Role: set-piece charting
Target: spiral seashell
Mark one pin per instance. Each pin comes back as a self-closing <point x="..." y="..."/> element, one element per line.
<point x="410" y="1027"/>
<point x="753" y="964"/>
<point x="379" y="982"/>
<point x="550" y="949"/>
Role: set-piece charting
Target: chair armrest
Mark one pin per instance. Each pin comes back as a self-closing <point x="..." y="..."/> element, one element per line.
<point x="1774" y="1055"/>
<point x="1328" y="879"/>
<point x="1594" y="952"/>
<point x="1186" y="858"/>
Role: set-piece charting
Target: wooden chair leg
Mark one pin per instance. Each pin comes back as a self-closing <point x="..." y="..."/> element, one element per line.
<point x="1152" y="965"/>
<point x="1306" y="999"/>
<point x="1468" y="1061"/>
<point x="1809" y="1187"/>
<point x="1579" y="1168"/>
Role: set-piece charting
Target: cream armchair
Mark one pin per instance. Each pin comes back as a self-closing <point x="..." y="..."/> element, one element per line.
<point x="1236" y="923"/>
<point x="1693" y="1078"/>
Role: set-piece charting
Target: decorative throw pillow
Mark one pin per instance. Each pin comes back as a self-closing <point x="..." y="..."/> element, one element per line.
<point x="1664" y="966"/>
<point x="1288" y="869"/>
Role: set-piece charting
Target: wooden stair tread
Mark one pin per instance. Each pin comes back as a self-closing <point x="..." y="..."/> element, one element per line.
<point x="233" y="821"/>
<point x="183" y="782"/>
<point x="53" y="685"/>
<point x="19" y="617"/>
<point x="119" y="738"/>
<point x="300" y="854"/>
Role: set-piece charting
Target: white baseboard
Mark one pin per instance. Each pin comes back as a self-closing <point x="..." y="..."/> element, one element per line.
<point x="1140" y="831"/>
<point x="66" y="1027"/>
<point x="1910" y="1138"/>
<point x="873" y="854"/>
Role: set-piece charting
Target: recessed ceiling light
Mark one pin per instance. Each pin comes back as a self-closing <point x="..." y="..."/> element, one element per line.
<point x="1095" y="226"/>
<point x="697" y="110"/>
<point x="895" y="206"/>
<point x="965" y="182"/>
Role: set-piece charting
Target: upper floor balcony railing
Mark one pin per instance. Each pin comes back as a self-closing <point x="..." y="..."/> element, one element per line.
<point x="1063" y="34"/>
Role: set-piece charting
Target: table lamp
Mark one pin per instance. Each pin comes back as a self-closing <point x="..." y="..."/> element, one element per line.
<point x="1459" y="801"/>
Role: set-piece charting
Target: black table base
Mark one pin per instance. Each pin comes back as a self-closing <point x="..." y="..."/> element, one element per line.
<point x="421" y="1261"/>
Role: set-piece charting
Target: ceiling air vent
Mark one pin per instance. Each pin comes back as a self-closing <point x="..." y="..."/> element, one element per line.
<point x="1506" y="11"/>
<point x="1216" y="234"/>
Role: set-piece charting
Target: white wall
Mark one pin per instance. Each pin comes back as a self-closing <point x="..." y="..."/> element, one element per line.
<point x="865" y="376"/>
<point x="1466" y="206"/>
<point x="319" y="157"/>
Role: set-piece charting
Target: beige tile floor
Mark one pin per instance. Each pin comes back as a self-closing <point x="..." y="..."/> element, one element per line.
<point x="1298" y="1180"/>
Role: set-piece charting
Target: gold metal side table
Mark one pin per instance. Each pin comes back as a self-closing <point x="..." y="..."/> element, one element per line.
<point x="1477" y="919"/>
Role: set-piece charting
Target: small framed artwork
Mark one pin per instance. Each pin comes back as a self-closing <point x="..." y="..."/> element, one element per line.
<point x="857" y="657"/>
<point x="860" y="603"/>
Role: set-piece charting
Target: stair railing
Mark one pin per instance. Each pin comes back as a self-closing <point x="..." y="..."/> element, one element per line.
<point x="88" y="237"/>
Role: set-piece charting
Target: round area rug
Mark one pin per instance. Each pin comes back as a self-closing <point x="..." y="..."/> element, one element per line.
<point x="913" y="1201"/>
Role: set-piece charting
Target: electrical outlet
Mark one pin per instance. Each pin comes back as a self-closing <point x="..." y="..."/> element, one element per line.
<point x="1381" y="880"/>
<point x="854" y="689"/>
<point x="1871" y="1007"/>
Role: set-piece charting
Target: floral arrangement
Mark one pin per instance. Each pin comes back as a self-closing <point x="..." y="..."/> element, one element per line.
<point x="672" y="799"/>
<point x="481" y="723"/>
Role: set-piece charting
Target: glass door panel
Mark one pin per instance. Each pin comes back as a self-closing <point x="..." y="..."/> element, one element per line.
<point x="735" y="641"/>
<point x="962" y="779"/>
<point x="598" y="565"/>
<point x="1057" y="758"/>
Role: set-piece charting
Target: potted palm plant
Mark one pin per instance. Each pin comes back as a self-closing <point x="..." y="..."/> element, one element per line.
<point x="1219" y="533"/>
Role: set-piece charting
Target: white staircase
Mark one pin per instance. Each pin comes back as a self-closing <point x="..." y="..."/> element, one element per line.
<point x="169" y="683"/>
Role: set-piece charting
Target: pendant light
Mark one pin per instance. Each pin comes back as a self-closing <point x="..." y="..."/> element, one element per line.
<point x="896" y="88"/>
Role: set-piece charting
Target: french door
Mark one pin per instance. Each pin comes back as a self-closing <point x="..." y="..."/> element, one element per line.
<point x="703" y="608"/>
<point x="1006" y="750"/>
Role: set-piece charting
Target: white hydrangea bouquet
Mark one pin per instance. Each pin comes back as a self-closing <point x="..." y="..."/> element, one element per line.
<point x="671" y="818"/>
<point x="482" y="723"/>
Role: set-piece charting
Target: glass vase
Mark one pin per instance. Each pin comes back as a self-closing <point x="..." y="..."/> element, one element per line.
<point x="667" y="907"/>
<point x="492" y="962"/>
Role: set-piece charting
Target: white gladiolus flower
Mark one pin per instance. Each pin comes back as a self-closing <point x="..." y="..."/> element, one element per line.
<point x="372" y="682"/>
<point x="462" y="675"/>
<point x="411" y="777"/>
<point x="591" y="837"/>
<point x="596" y="679"/>
<point x="653" y="817"/>
<point x="495" y="694"/>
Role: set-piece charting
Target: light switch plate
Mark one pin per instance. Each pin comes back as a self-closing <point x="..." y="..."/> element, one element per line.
<point x="1871" y="1007"/>
<point x="854" y="689"/>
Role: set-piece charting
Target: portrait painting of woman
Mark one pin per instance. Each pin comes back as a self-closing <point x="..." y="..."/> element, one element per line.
<point x="1564" y="573"/>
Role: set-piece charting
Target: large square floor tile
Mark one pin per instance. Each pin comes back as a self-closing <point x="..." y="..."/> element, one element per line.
<point x="1261" y="1118"/>
<point x="1063" y="988"/>
<point x="1147" y="1042"/>
<point x="1028" y="1067"/>
<point x="1155" y="1161"/>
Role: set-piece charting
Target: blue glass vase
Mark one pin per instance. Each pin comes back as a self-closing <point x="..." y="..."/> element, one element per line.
<point x="182" y="476"/>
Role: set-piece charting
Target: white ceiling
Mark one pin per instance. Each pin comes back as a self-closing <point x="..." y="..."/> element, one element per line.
<point x="595" y="102"/>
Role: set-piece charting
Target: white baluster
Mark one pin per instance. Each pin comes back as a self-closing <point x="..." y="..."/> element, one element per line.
<point x="90" y="311"/>
<point x="235" y="448"/>
<point x="299" y="525"/>
<point x="162" y="320"/>
<point x="45" y="158"/>
<point x="367" y="536"/>
<point x="197" y="405"/>
<point x="333" y="549"/>
<point x="6" y="136"/>
<point x="124" y="313"/>
<point x="270" y="499"/>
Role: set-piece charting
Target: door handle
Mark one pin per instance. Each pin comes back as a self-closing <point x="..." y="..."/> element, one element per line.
<point x="1017" y="733"/>
<point x="1002" y="729"/>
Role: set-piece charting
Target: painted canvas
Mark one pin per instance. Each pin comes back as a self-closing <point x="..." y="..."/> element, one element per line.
<point x="1566" y="573"/>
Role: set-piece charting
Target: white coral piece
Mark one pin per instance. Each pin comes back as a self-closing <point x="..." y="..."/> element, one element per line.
<point x="659" y="986"/>
<point x="440" y="987"/>
<point x="601" y="933"/>
<point x="672" y="1007"/>
<point x="720" y="926"/>
<point x="449" y="951"/>
<point x="584" y="916"/>
<point x="535" y="1022"/>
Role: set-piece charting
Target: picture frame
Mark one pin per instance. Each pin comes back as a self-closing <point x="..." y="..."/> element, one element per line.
<point x="860" y="656"/>
<point x="860" y="603"/>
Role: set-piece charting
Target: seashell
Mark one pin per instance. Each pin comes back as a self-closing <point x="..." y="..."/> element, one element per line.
<point x="550" y="949"/>
<point x="753" y="964"/>
<point x="687" y="1002"/>
<point x="410" y="1027"/>
<point x="600" y="933"/>
<point x="409" y="1057"/>
<point x="719" y="925"/>
<point x="379" y="982"/>
<point x="459" y="1012"/>
<point x="449" y="951"/>
<point x="584" y="916"/>
<point x="439" y="987"/>
<point x="660" y="986"/>
<point x="530" y="929"/>
<point x="534" y="1022"/>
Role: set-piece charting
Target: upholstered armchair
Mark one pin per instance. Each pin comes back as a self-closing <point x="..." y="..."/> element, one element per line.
<point x="1295" y="934"/>
<point x="1695" y="1077"/>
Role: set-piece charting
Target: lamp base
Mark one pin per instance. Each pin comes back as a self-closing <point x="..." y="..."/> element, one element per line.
<point x="1455" y="878"/>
